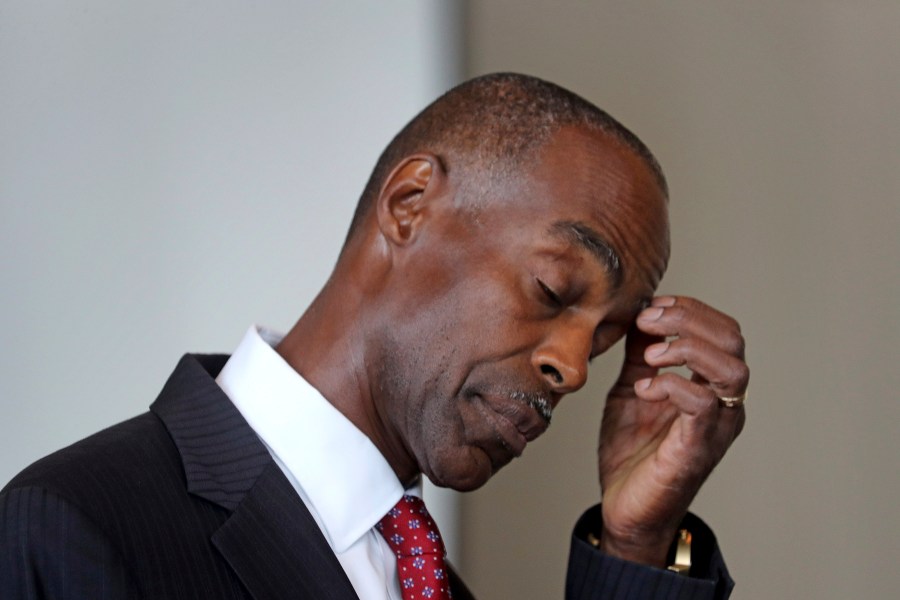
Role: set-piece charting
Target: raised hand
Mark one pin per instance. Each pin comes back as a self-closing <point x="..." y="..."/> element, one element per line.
<point x="662" y="433"/>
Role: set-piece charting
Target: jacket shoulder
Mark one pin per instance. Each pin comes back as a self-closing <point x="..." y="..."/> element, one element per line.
<point x="124" y="460"/>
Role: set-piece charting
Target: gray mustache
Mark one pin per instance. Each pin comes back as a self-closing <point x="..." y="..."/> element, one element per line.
<point x="536" y="401"/>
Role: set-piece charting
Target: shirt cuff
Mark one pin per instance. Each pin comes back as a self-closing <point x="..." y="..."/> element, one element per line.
<point x="594" y="575"/>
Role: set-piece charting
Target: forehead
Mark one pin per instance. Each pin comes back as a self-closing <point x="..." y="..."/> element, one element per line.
<point x="595" y="181"/>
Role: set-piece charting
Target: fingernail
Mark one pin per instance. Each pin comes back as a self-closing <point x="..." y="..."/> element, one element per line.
<point x="657" y="350"/>
<point x="651" y="314"/>
<point x="642" y="384"/>
<point x="664" y="301"/>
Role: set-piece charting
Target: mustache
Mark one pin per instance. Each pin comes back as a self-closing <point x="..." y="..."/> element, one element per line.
<point x="537" y="401"/>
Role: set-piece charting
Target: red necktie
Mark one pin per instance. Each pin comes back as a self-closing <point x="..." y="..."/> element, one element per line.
<point x="421" y="558"/>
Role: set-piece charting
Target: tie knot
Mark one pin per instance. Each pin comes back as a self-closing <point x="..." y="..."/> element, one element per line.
<point x="414" y="538"/>
<point x="409" y="530"/>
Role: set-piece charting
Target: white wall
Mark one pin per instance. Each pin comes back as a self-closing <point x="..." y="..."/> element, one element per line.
<point x="171" y="173"/>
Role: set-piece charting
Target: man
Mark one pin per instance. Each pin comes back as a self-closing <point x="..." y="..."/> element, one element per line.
<point x="510" y="233"/>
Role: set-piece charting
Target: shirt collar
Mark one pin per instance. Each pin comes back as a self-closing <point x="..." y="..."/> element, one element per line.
<point x="346" y="479"/>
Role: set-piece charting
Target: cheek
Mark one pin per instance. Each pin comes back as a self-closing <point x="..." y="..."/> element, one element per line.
<point x="495" y="309"/>
<point x="426" y="376"/>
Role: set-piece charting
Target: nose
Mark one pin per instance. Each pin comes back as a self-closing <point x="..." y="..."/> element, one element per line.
<point x="562" y="360"/>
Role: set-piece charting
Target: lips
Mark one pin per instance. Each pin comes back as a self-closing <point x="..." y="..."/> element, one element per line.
<point x="513" y="420"/>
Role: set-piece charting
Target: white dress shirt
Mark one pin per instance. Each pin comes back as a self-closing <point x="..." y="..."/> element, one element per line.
<point x="340" y="475"/>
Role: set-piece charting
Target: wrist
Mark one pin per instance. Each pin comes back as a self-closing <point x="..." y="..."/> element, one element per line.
<point x="697" y="558"/>
<point x="651" y="550"/>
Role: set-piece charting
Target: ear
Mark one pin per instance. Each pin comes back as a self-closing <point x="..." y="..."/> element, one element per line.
<point x="407" y="195"/>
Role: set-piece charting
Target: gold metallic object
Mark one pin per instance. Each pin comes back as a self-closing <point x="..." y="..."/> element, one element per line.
<point x="682" y="564"/>
<point x="733" y="401"/>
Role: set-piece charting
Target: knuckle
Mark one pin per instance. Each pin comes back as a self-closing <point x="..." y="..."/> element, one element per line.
<point x="677" y="313"/>
<point x="741" y="374"/>
<point x="734" y="324"/>
<point x="667" y="381"/>
<point x="688" y="301"/>
<point x="681" y="349"/>
<point x="686" y="345"/>
<point x="735" y="375"/>
<point x="734" y="343"/>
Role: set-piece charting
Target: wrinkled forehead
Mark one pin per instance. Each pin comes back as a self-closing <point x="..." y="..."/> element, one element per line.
<point x="595" y="181"/>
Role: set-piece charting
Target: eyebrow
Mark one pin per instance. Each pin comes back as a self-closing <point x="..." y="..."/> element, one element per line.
<point x="586" y="237"/>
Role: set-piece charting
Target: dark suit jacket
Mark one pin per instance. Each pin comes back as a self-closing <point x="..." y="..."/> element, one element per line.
<point x="185" y="502"/>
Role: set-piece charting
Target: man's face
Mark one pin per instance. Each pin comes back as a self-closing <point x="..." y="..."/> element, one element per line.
<point x="498" y="311"/>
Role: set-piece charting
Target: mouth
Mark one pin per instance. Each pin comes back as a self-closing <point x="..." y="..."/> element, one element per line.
<point x="538" y="403"/>
<point x="516" y="418"/>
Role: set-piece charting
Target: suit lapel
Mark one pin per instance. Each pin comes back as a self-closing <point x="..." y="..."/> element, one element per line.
<point x="457" y="586"/>
<point x="270" y="540"/>
<point x="277" y="549"/>
<point x="221" y="454"/>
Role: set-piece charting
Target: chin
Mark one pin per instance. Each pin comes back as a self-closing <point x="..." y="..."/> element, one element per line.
<point x="461" y="475"/>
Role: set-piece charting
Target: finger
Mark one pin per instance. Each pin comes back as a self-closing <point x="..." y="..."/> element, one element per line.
<point x="687" y="317"/>
<point x="694" y="400"/>
<point x="635" y="367"/>
<point x="727" y="375"/>
<point x="689" y="397"/>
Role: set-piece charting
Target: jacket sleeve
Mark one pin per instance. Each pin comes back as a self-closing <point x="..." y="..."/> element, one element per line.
<point x="50" y="550"/>
<point x="593" y="575"/>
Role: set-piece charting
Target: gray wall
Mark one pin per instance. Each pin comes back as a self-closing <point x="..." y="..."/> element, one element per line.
<point x="171" y="173"/>
<point x="778" y="126"/>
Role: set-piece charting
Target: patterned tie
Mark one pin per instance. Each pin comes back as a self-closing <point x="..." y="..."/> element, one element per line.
<point x="414" y="538"/>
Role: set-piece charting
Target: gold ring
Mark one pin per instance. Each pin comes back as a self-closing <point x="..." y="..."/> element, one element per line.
<point x="733" y="401"/>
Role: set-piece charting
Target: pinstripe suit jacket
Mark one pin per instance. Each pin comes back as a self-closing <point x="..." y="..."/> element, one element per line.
<point x="185" y="502"/>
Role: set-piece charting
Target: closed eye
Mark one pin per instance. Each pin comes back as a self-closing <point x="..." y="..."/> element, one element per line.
<point x="552" y="296"/>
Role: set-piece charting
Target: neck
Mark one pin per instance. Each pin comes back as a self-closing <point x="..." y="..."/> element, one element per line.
<point x="330" y="346"/>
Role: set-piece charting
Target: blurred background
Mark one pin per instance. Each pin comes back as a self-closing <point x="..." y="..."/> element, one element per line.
<point x="170" y="174"/>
